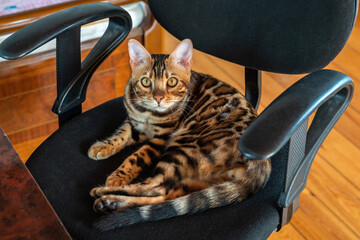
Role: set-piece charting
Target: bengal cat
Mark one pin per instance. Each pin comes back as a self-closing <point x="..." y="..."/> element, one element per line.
<point x="190" y="124"/>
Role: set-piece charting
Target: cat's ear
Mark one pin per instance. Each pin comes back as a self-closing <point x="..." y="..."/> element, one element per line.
<point x="182" y="55"/>
<point x="138" y="54"/>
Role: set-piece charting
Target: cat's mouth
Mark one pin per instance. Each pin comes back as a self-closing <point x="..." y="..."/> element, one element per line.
<point x="159" y="107"/>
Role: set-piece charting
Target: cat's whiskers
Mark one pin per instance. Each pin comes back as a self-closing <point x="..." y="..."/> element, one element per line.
<point x="181" y="108"/>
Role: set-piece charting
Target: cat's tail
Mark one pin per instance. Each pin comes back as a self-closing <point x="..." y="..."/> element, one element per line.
<point x="212" y="197"/>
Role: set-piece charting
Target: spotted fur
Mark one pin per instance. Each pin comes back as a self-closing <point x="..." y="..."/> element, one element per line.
<point x="190" y="134"/>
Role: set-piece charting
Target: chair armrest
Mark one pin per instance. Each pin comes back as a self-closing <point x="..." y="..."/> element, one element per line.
<point x="73" y="76"/>
<point x="277" y="123"/>
<point x="42" y="31"/>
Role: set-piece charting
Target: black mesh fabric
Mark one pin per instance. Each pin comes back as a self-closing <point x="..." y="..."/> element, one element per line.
<point x="66" y="175"/>
<point x="297" y="36"/>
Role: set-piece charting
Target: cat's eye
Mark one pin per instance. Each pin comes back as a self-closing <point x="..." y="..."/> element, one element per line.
<point x="172" y="82"/>
<point x="146" y="82"/>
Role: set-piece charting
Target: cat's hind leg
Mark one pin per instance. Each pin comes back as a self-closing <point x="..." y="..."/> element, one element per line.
<point x="118" y="198"/>
<point x="151" y="191"/>
<point x="112" y="203"/>
<point x="149" y="187"/>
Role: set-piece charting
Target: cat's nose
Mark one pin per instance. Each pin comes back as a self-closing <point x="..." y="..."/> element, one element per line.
<point x="158" y="98"/>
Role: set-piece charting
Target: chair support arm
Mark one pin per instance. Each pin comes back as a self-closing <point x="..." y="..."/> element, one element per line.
<point x="42" y="31"/>
<point x="73" y="75"/>
<point x="285" y="121"/>
<point x="278" y="122"/>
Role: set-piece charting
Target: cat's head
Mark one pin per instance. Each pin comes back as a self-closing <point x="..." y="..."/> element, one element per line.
<point x="160" y="82"/>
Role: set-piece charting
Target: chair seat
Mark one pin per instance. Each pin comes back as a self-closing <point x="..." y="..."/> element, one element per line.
<point x="66" y="175"/>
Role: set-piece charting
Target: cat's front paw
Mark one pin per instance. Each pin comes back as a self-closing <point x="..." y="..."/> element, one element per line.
<point x="99" y="151"/>
<point x="115" y="181"/>
<point x="97" y="192"/>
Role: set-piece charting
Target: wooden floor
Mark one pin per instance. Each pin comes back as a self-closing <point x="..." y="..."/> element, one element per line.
<point x="330" y="204"/>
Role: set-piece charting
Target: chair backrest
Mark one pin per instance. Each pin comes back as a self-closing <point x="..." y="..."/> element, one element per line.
<point x="283" y="36"/>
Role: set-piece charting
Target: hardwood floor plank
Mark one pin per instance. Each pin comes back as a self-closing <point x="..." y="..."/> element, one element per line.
<point x="287" y="232"/>
<point x="349" y="126"/>
<point x="332" y="189"/>
<point x="354" y="37"/>
<point x="316" y="221"/>
<point x="345" y="60"/>
<point x="343" y="155"/>
<point x="25" y="149"/>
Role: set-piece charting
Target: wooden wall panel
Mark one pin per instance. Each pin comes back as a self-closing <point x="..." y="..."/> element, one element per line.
<point x="35" y="131"/>
<point x="27" y="109"/>
<point x="19" y="80"/>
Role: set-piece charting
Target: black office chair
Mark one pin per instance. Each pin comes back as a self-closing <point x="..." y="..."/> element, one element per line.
<point x="299" y="36"/>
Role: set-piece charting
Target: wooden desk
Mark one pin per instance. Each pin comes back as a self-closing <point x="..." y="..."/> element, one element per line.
<point x="25" y="213"/>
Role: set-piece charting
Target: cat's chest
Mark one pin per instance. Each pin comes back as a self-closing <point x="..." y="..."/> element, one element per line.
<point x="147" y="128"/>
<point x="152" y="127"/>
